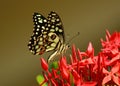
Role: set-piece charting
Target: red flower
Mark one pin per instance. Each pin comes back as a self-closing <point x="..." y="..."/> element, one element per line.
<point x="112" y="75"/>
<point x="112" y="44"/>
<point x="86" y="69"/>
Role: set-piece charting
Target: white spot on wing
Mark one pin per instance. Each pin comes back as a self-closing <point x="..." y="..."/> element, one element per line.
<point x="53" y="20"/>
<point x="45" y="20"/>
<point x="43" y="27"/>
<point x="40" y="21"/>
<point x="53" y="44"/>
<point x="52" y="30"/>
<point x="38" y="15"/>
<point x="38" y="50"/>
<point x="53" y="26"/>
<point x="38" y="29"/>
<point x="38" y="26"/>
<point x="49" y="25"/>
<point x="60" y="30"/>
<point x="36" y="47"/>
<point x="57" y="19"/>
<point x="41" y="38"/>
<point x="47" y="28"/>
<point x="40" y="43"/>
<point x="36" y="33"/>
<point x="56" y="28"/>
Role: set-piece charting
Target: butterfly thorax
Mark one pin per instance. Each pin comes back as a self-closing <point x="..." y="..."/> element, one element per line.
<point x="60" y="50"/>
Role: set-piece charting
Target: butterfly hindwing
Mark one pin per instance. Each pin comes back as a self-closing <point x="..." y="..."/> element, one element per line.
<point x="47" y="34"/>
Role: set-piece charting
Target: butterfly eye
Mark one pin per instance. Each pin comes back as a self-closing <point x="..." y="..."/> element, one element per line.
<point x="53" y="36"/>
<point x="68" y="46"/>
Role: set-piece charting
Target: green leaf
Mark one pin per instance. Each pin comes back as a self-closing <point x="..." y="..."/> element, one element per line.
<point x="40" y="79"/>
<point x="71" y="80"/>
<point x="54" y="65"/>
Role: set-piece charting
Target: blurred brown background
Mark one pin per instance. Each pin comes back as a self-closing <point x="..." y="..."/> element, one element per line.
<point x="18" y="67"/>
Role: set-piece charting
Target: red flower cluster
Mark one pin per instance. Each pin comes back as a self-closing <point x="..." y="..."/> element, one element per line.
<point x="86" y="69"/>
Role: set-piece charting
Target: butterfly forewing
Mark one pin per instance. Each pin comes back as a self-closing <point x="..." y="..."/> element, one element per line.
<point x="56" y="25"/>
<point x="47" y="35"/>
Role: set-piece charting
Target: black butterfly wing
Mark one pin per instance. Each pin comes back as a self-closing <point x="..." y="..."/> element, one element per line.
<point x="47" y="33"/>
<point x="36" y="41"/>
<point x="57" y="25"/>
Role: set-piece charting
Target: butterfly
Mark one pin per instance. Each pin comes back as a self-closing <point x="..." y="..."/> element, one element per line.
<point x="48" y="35"/>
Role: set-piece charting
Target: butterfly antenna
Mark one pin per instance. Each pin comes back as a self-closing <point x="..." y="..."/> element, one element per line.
<point x="73" y="37"/>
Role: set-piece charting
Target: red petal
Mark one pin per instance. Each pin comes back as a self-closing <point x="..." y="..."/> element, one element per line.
<point x="75" y="75"/>
<point x="89" y="83"/>
<point x="79" y="54"/>
<point x="107" y="35"/>
<point x="90" y="50"/>
<point x="67" y="84"/>
<point x="45" y="76"/>
<point x="63" y="62"/>
<point x="64" y="73"/>
<point x="106" y="79"/>
<point x="44" y="64"/>
<point x="116" y="80"/>
<point x="115" y="68"/>
<point x="113" y="60"/>
<point x="74" y="56"/>
<point x="105" y="71"/>
<point x="54" y="82"/>
<point x="55" y="73"/>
